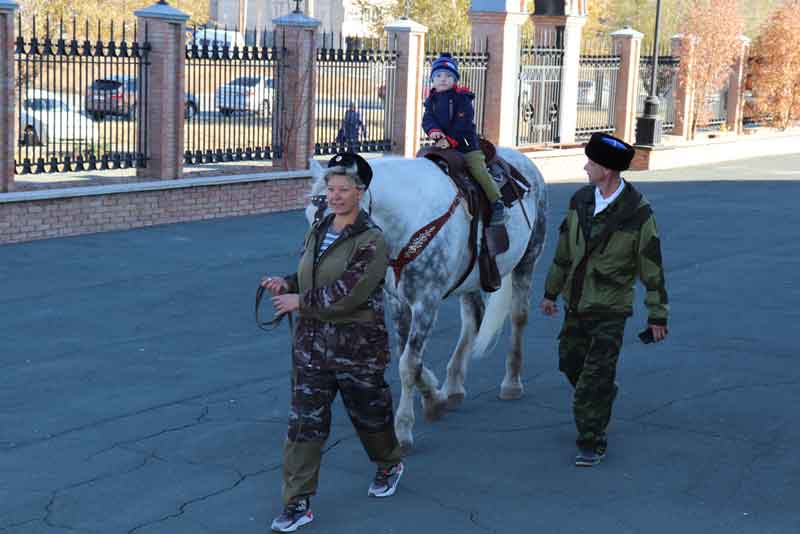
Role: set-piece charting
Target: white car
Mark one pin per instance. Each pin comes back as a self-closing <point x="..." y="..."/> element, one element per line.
<point x="47" y="118"/>
<point x="246" y="93"/>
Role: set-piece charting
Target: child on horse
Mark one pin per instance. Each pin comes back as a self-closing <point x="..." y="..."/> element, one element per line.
<point x="449" y="120"/>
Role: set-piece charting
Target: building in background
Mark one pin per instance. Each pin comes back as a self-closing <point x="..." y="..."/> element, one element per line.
<point x="339" y="16"/>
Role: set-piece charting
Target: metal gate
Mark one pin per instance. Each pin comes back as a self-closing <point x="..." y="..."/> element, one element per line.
<point x="539" y="92"/>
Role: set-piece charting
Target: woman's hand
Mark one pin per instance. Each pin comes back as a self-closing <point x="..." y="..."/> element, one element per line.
<point x="275" y="284"/>
<point x="286" y="303"/>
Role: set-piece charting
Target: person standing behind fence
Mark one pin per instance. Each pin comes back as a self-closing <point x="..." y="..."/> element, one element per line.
<point x="352" y="129"/>
<point x="340" y="342"/>
<point x="607" y="239"/>
<point x="449" y="120"/>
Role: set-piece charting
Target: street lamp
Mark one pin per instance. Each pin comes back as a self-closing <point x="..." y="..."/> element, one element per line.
<point x="648" y="126"/>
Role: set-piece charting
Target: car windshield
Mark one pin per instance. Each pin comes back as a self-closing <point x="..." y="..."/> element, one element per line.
<point x="45" y="104"/>
<point x="106" y="85"/>
<point x="247" y="81"/>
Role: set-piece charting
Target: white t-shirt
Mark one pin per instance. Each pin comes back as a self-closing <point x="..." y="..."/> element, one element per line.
<point x="601" y="203"/>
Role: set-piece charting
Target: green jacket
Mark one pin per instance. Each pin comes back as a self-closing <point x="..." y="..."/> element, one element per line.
<point x="345" y="283"/>
<point x="603" y="284"/>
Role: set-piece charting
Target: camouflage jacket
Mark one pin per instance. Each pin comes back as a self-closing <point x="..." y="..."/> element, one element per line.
<point x="345" y="283"/>
<point x="603" y="284"/>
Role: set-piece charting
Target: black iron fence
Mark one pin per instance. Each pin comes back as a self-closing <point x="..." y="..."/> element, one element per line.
<point x="716" y="110"/>
<point x="666" y="87"/>
<point x="598" y="71"/>
<point x="539" y="93"/>
<point x="232" y="98"/>
<point x="473" y="60"/>
<point x="355" y="94"/>
<point x="81" y="101"/>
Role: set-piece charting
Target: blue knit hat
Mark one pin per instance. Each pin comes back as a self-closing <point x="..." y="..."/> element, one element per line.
<point x="447" y="63"/>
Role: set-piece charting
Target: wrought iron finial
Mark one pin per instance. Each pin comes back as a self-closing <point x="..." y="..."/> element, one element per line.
<point x="297" y="7"/>
<point x="407" y="10"/>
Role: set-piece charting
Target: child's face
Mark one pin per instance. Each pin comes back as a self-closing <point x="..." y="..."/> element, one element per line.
<point x="443" y="81"/>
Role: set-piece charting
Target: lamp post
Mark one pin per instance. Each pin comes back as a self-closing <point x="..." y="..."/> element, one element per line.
<point x="648" y="126"/>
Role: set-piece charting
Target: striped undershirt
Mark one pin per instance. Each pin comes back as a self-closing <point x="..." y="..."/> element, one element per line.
<point x="330" y="237"/>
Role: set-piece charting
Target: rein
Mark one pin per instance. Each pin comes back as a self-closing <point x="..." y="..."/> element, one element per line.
<point x="269" y="326"/>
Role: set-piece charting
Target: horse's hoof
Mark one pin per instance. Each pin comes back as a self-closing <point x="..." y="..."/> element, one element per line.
<point x="434" y="410"/>
<point x="454" y="400"/>
<point x="510" y="393"/>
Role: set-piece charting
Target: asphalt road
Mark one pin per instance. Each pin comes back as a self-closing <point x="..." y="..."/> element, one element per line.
<point x="137" y="395"/>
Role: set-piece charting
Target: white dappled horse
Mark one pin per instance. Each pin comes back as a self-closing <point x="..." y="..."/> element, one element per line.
<point x="404" y="196"/>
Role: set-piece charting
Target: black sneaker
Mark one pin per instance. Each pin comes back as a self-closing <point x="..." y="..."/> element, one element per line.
<point x="499" y="214"/>
<point x="386" y="481"/>
<point x="589" y="457"/>
<point x="295" y="515"/>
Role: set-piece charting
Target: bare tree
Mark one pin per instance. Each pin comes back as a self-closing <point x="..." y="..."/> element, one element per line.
<point x="717" y="28"/>
<point x="775" y="66"/>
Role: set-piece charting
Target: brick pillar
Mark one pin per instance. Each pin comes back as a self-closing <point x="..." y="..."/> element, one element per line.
<point x="165" y="28"/>
<point x="568" y="102"/>
<point x="736" y="88"/>
<point x="408" y="38"/>
<point x="298" y="90"/>
<point x="8" y="120"/>
<point x="683" y="48"/>
<point x="500" y="29"/>
<point x="628" y="44"/>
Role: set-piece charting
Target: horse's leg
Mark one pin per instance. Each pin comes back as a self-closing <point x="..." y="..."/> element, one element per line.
<point x="471" y="315"/>
<point x="412" y="372"/>
<point x="522" y="278"/>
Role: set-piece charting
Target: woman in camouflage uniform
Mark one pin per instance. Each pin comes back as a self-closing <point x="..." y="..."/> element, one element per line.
<point x="340" y="342"/>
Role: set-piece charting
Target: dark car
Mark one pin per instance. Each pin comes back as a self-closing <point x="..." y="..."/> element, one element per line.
<point x="119" y="95"/>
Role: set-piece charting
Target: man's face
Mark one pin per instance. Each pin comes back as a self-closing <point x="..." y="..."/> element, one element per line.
<point x="443" y="81"/>
<point x="596" y="172"/>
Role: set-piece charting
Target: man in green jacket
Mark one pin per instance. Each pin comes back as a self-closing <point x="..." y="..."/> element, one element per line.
<point x="607" y="239"/>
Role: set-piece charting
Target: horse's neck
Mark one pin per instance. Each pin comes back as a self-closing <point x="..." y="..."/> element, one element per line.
<point x="408" y="199"/>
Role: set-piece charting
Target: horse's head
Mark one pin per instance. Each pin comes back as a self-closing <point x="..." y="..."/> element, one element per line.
<point x="317" y="197"/>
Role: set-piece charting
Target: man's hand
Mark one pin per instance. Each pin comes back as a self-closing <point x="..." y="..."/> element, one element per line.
<point x="286" y="303"/>
<point x="659" y="332"/>
<point x="548" y="307"/>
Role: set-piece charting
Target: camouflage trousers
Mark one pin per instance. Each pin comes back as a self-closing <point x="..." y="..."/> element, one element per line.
<point x="588" y="352"/>
<point x="330" y="359"/>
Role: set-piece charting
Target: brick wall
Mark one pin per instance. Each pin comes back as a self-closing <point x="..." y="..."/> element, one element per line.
<point x="27" y="220"/>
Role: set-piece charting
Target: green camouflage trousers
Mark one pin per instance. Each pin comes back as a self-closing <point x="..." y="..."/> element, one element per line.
<point x="588" y="352"/>
<point x="328" y="359"/>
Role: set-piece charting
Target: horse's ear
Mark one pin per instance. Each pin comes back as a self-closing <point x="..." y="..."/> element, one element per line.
<point x="316" y="168"/>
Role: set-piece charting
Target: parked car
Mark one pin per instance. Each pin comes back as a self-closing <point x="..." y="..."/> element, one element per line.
<point x="211" y="37"/>
<point x="46" y="117"/>
<point x="246" y="93"/>
<point x="119" y="95"/>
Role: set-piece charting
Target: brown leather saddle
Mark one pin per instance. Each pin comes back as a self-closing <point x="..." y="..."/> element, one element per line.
<point x="513" y="187"/>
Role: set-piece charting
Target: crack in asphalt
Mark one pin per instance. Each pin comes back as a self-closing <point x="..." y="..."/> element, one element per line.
<point x="201" y="419"/>
<point x="20" y="524"/>
<point x="119" y="417"/>
<point x="186" y="504"/>
<point x="48" y="509"/>
<point x="705" y="394"/>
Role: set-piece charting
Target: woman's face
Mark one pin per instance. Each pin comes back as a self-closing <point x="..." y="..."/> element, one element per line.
<point x="342" y="194"/>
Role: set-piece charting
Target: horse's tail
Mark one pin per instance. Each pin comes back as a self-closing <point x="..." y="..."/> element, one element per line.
<point x="497" y="310"/>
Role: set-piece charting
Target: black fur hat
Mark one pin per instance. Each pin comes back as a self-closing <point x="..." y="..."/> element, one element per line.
<point x="609" y="151"/>
<point x="352" y="164"/>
